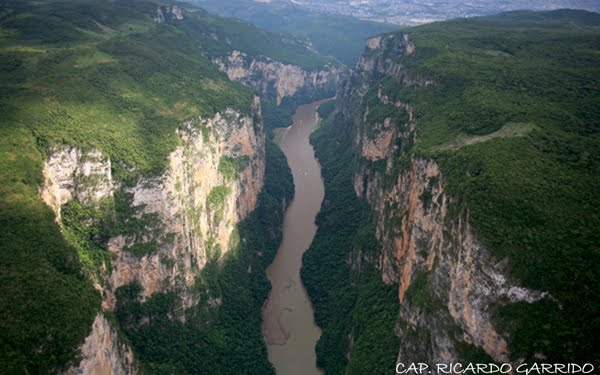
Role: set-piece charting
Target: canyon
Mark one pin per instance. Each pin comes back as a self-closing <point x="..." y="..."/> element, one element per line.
<point x="159" y="217"/>
<point x="189" y="225"/>
<point x="460" y="294"/>
<point x="288" y="322"/>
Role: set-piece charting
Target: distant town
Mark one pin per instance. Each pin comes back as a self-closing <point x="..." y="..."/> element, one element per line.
<point x="416" y="12"/>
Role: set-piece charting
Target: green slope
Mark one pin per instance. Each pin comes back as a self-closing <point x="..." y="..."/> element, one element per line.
<point x="333" y="35"/>
<point x="226" y="339"/>
<point x="349" y="297"/>
<point x="514" y="122"/>
<point x="218" y="36"/>
<point x="533" y="195"/>
<point x="99" y="75"/>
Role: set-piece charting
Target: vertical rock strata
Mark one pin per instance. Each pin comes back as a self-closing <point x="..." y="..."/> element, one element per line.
<point x="276" y="80"/>
<point x="103" y="353"/>
<point x="70" y="173"/>
<point x="189" y="211"/>
<point x="191" y="226"/>
<point x="427" y="248"/>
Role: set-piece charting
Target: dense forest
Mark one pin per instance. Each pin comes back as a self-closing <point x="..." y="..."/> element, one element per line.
<point x="507" y="106"/>
<point x="223" y="338"/>
<point x="530" y="82"/>
<point x="107" y="76"/>
<point x="338" y="36"/>
<point x="345" y="286"/>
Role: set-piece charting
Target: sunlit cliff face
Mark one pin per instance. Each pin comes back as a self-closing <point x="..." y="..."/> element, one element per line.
<point x="194" y="207"/>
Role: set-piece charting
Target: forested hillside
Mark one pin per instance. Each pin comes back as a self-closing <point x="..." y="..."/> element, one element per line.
<point x="342" y="37"/>
<point x="98" y="98"/>
<point x="475" y="145"/>
<point x="141" y="197"/>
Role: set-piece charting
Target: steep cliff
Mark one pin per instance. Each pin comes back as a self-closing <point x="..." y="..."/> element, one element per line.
<point x="135" y="206"/>
<point x="276" y="80"/>
<point x="457" y="199"/>
<point x="170" y="14"/>
<point x="283" y="69"/>
<point x="185" y="216"/>
<point x="423" y="246"/>
<point x="331" y="35"/>
<point x="212" y="182"/>
<point x="103" y="353"/>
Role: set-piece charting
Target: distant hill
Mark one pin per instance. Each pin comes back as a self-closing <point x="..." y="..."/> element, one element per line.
<point x="331" y="34"/>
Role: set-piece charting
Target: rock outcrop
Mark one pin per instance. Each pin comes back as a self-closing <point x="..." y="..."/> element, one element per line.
<point x="102" y="353"/>
<point x="428" y="247"/>
<point x="70" y="173"/>
<point x="381" y="55"/>
<point x="168" y="14"/>
<point x="194" y="206"/>
<point x="276" y="80"/>
<point x="187" y="216"/>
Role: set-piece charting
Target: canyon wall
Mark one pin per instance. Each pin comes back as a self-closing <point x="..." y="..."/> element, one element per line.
<point x="184" y="217"/>
<point x="275" y="80"/>
<point x="449" y="283"/>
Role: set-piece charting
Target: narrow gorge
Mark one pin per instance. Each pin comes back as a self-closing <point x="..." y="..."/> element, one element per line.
<point x="162" y="195"/>
<point x="427" y="228"/>
<point x="288" y="322"/>
<point x="180" y="196"/>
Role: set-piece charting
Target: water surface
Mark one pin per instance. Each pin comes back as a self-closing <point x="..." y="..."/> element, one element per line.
<point x="288" y="321"/>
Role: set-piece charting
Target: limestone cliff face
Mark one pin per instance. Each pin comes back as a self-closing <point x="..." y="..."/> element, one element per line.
<point x="448" y="282"/>
<point x="188" y="215"/>
<point x="103" y="354"/>
<point x="380" y="57"/>
<point x="70" y="173"/>
<point x="195" y="207"/>
<point x="276" y="80"/>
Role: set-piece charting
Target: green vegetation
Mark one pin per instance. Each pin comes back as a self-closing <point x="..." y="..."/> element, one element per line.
<point x="231" y="167"/>
<point x="211" y="32"/>
<point x="511" y="129"/>
<point x="97" y="76"/>
<point x="347" y="298"/>
<point x="276" y="116"/>
<point x="326" y="109"/>
<point x="216" y="197"/>
<point x="232" y="34"/>
<point x="85" y="228"/>
<point x="123" y="94"/>
<point x="513" y="120"/>
<point x="339" y="36"/>
<point x="332" y="35"/>
<point x="47" y="304"/>
<point x="141" y="249"/>
<point x="511" y="117"/>
<point x="215" y="201"/>
<point x="221" y="337"/>
<point x="280" y="116"/>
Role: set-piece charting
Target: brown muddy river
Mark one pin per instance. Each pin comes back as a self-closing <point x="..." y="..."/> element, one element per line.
<point x="288" y="322"/>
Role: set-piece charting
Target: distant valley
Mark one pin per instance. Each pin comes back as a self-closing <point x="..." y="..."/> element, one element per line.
<point x="275" y="187"/>
<point x="414" y="12"/>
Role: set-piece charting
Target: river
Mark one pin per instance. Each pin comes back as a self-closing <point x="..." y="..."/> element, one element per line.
<point x="288" y="321"/>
